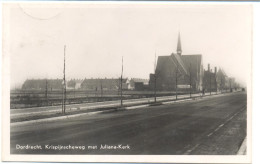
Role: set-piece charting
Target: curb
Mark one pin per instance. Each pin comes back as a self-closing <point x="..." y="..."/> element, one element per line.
<point x="57" y="118"/>
<point x="136" y="107"/>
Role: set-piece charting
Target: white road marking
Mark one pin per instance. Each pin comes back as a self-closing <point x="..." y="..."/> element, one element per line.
<point x="230" y="118"/>
<point x="210" y="134"/>
<point x="190" y="150"/>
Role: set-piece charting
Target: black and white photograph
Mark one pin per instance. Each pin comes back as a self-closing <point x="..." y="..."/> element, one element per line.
<point x="100" y="81"/>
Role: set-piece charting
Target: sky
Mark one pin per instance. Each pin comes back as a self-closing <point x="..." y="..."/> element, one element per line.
<point x="97" y="35"/>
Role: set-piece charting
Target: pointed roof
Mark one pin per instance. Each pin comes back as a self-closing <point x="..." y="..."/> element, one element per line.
<point x="221" y="72"/>
<point x="179" y="50"/>
<point x="193" y="61"/>
<point x="175" y="58"/>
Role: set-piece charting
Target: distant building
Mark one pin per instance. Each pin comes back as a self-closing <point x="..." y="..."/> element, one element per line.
<point x="187" y="70"/>
<point x="232" y="84"/>
<point x="136" y="83"/>
<point x="40" y="84"/>
<point x="210" y="80"/>
<point x="74" y="84"/>
<point x="105" y="84"/>
<point x="221" y="80"/>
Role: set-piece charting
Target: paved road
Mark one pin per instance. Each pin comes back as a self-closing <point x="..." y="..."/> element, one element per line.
<point x="213" y="125"/>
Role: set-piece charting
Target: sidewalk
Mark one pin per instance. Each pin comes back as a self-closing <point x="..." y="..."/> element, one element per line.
<point x="93" y="108"/>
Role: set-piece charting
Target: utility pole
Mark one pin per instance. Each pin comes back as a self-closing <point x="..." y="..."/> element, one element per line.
<point x="46" y="91"/>
<point x="209" y="82"/>
<point x="119" y="81"/>
<point x="230" y="84"/>
<point x="75" y="90"/>
<point x="101" y="89"/>
<point x="122" y="84"/>
<point x="96" y="91"/>
<point x="64" y="84"/>
<point x="62" y="103"/>
<point x="176" y="81"/>
<point x="155" y="77"/>
<point x="155" y="88"/>
<point x="216" y="84"/>
<point x="190" y="80"/>
<point x="221" y="84"/>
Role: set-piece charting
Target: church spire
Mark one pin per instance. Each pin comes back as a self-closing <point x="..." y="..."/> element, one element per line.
<point x="179" y="51"/>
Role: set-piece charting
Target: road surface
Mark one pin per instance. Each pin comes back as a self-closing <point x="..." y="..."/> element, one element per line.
<point x="213" y="125"/>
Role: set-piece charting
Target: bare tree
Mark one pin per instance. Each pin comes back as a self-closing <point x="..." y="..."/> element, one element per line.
<point x="121" y="85"/>
<point x="64" y="84"/>
<point x="119" y="82"/>
<point x="230" y="85"/>
<point x="101" y="87"/>
<point x="75" y="91"/>
<point x="221" y="84"/>
<point x="176" y="82"/>
<point x="46" y="91"/>
<point x="216" y="84"/>
<point x="155" y="79"/>
<point x="96" y="89"/>
<point x="190" y="80"/>
<point x="210" y="82"/>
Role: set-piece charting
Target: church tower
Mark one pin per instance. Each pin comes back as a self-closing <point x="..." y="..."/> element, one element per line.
<point x="179" y="51"/>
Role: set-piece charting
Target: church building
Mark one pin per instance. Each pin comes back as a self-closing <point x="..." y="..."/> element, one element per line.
<point x="178" y="71"/>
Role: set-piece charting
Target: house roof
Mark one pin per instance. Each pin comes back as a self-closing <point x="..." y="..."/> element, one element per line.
<point x="178" y="59"/>
<point x="192" y="63"/>
<point x="76" y="80"/>
<point x="134" y="80"/>
<point x="184" y="63"/>
<point x="192" y="60"/>
<point x="160" y="62"/>
<point x="106" y="83"/>
<point x="221" y="72"/>
<point x="41" y="83"/>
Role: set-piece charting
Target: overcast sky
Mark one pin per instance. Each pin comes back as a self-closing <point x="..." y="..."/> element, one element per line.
<point x="97" y="36"/>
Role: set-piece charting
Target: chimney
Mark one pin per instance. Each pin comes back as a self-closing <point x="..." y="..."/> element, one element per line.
<point x="208" y="67"/>
<point x="215" y="70"/>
